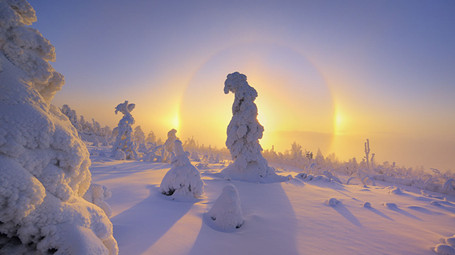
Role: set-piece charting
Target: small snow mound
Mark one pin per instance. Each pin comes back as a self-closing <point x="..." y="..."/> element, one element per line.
<point x="226" y="213"/>
<point x="392" y="206"/>
<point x="183" y="179"/>
<point x="444" y="249"/>
<point x="396" y="191"/>
<point x="119" y="155"/>
<point x="367" y="205"/>
<point x="313" y="178"/>
<point x="332" y="202"/>
<point x="451" y="241"/>
<point x="435" y="203"/>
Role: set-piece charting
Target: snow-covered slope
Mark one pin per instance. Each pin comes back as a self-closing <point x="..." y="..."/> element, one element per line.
<point x="293" y="217"/>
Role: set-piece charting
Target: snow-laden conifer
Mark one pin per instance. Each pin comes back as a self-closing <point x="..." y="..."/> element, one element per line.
<point x="243" y="134"/>
<point x="44" y="166"/>
<point x="183" y="179"/>
<point x="124" y="141"/>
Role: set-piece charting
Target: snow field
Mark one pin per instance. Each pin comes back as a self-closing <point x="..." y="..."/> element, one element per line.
<point x="279" y="218"/>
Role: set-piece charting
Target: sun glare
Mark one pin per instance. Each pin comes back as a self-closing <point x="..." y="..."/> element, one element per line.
<point x="339" y="122"/>
<point x="175" y="121"/>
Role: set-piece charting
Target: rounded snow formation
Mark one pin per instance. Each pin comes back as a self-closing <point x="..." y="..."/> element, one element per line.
<point x="183" y="180"/>
<point x="395" y="190"/>
<point x="451" y="241"/>
<point x="96" y="194"/>
<point x="444" y="249"/>
<point x="332" y="202"/>
<point x="243" y="134"/>
<point x="391" y="206"/>
<point x="327" y="177"/>
<point x="367" y="205"/>
<point x="44" y="166"/>
<point x="226" y="213"/>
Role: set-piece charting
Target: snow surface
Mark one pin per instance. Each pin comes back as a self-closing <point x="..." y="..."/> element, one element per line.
<point x="280" y="218"/>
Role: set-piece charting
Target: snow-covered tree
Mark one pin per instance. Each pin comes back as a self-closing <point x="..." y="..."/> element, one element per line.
<point x="124" y="141"/>
<point x="139" y="135"/>
<point x="183" y="179"/>
<point x="72" y="115"/>
<point x="168" y="152"/>
<point x="243" y="134"/>
<point x="226" y="213"/>
<point x="151" y="138"/>
<point x="44" y="166"/>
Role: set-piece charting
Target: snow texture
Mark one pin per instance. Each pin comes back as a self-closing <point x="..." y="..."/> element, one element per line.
<point x="226" y="213"/>
<point x="97" y="194"/>
<point x="124" y="140"/>
<point x="44" y="166"/>
<point x="243" y="134"/>
<point x="183" y="180"/>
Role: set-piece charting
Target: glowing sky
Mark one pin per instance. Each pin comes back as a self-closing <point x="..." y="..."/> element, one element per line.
<point x="329" y="73"/>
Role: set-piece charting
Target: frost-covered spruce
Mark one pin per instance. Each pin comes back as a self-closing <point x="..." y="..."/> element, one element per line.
<point x="183" y="179"/>
<point x="226" y="213"/>
<point x="243" y="134"/>
<point x="44" y="166"/>
<point x="168" y="152"/>
<point x="124" y="141"/>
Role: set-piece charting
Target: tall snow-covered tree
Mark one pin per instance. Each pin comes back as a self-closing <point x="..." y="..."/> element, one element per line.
<point x="124" y="141"/>
<point x="44" y="166"/>
<point x="168" y="151"/>
<point x="151" y="138"/>
<point x="139" y="135"/>
<point x="243" y="134"/>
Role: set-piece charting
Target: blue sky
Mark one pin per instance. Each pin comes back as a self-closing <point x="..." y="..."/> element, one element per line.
<point x="385" y="68"/>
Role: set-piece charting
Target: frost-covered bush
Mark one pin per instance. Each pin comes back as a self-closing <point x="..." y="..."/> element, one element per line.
<point x="226" y="213"/>
<point x="44" y="166"/>
<point x="97" y="194"/>
<point x="168" y="152"/>
<point x="124" y="140"/>
<point x="183" y="179"/>
<point x="243" y="134"/>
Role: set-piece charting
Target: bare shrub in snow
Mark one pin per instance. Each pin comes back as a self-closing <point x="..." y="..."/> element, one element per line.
<point x="44" y="166"/>
<point x="226" y="213"/>
<point x="183" y="180"/>
<point x="243" y="134"/>
<point x="124" y="140"/>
